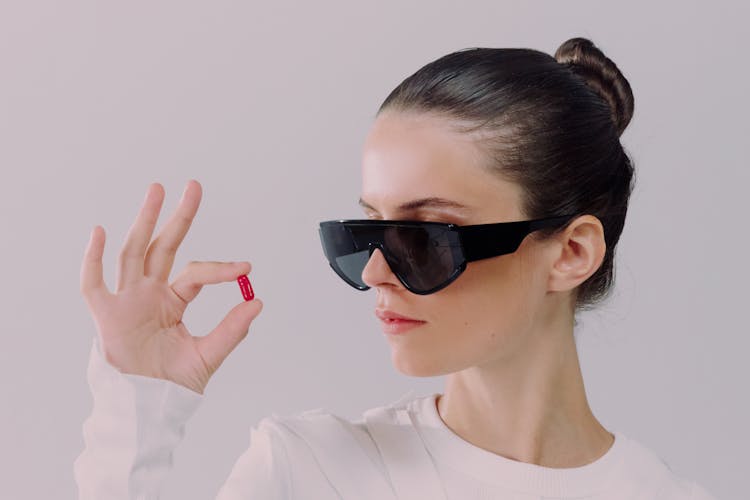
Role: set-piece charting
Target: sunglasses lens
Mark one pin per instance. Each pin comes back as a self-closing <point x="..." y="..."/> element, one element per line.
<point x="423" y="256"/>
<point x="351" y="265"/>
<point x="343" y="253"/>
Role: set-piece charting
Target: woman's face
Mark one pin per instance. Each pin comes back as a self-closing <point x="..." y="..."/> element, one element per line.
<point x="486" y="314"/>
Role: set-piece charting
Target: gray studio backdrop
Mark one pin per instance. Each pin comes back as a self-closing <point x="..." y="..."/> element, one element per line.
<point x="267" y="104"/>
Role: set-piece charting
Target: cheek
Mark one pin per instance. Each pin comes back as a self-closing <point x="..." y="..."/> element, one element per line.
<point x="491" y="306"/>
<point x="495" y="288"/>
<point x="483" y="315"/>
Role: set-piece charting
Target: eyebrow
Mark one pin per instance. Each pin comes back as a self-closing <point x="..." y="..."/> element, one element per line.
<point x="430" y="202"/>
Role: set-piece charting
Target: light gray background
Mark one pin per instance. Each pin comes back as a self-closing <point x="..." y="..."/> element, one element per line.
<point x="267" y="105"/>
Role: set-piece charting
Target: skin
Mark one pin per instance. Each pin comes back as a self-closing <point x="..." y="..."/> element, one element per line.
<point x="502" y="333"/>
<point x="139" y="325"/>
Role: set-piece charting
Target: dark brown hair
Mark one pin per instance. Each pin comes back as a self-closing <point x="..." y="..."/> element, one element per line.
<point x="550" y="124"/>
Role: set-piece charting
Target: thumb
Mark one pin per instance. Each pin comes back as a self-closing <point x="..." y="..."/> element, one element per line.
<point x="222" y="340"/>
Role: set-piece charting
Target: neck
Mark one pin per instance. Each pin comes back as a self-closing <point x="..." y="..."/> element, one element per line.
<point x="530" y="407"/>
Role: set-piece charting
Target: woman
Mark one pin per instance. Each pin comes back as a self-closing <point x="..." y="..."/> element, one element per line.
<point x="495" y="188"/>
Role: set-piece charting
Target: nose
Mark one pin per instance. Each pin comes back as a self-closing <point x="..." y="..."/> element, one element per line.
<point x="377" y="271"/>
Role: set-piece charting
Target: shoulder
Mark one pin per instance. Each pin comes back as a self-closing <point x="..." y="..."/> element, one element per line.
<point x="321" y="433"/>
<point x="322" y="450"/>
<point x="310" y="454"/>
<point x="316" y="420"/>
<point x="646" y="470"/>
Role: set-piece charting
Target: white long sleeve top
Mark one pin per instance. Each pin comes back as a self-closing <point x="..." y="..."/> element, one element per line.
<point x="399" y="451"/>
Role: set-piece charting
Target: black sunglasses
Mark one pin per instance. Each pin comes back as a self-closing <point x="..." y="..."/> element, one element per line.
<point x="425" y="256"/>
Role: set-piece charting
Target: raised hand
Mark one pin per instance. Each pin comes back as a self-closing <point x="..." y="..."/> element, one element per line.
<point x="140" y="326"/>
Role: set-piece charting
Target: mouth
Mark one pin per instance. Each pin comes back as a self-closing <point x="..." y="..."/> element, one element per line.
<point x="400" y="326"/>
<point x="397" y="324"/>
<point x="388" y="315"/>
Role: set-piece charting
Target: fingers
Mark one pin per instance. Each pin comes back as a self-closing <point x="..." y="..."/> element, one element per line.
<point x="196" y="274"/>
<point x="222" y="340"/>
<point x="160" y="254"/>
<point x="130" y="262"/>
<point x="92" y="280"/>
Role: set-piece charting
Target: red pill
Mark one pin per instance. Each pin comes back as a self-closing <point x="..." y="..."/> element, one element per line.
<point x="247" y="289"/>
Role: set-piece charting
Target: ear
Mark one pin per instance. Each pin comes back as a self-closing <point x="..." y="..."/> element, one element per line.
<point x="579" y="254"/>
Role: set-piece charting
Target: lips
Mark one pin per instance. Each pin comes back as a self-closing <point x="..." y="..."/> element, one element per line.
<point x="387" y="315"/>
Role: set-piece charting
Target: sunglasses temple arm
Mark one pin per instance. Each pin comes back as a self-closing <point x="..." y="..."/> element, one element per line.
<point x="482" y="241"/>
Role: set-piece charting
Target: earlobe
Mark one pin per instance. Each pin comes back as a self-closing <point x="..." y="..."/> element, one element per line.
<point x="579" y="254"/>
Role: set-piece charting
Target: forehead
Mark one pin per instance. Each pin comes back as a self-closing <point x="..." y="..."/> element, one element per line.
<point x="410" y="156"/>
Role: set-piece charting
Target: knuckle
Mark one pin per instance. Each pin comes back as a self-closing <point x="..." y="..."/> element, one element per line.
<point x="190" y="268"/>
<point x="243" y="334"/>
<point x="161" y="246"/>
<point x="126" y="253"/>
<point x="183" y="218"/>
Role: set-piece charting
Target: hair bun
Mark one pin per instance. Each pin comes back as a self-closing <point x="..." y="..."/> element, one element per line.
<point x="601" y="74"/>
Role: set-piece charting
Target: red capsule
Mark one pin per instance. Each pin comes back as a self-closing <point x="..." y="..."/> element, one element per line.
<point x="247" y="289"/>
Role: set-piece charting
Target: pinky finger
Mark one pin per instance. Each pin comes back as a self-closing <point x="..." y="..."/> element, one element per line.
<point x="92" y="280"/>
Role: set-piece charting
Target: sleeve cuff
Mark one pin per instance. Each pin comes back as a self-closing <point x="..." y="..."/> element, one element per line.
<point x="130" y="435"/>
<point x="159" y="399"/>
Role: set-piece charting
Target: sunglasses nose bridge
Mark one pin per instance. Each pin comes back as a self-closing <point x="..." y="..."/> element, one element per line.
<point x="368" y="270"/>
<point x="372" y="246"/>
